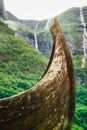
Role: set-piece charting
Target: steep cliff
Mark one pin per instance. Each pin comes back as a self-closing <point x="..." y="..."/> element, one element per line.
<point x="2" y="9"/>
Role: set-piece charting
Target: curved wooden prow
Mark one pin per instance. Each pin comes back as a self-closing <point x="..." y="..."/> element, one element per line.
<point x="49" y="105"/>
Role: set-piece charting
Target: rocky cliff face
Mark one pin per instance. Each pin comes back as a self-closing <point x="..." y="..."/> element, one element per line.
<point x="71" y="26"/>
<point x="10" y="16"/>
<point x="2" y="9"/>
<point x="69" y="21"/>
<point x="45" y="43"/>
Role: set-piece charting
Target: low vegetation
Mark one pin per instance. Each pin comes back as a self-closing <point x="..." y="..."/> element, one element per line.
<point x="21" y="66"/>
<point x="80" y="120"/>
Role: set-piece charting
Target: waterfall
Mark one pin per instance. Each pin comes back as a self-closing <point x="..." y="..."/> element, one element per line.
<point x="48" y="23"/>
<point x="35" y="37"/>
<point x="84" y="38"/>
<point x="85" y="32"/>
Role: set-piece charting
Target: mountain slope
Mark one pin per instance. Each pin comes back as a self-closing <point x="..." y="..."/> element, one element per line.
<point x="85" y="14"/>
<point x="21" y="66"/>
<point x="71" y="25"/>
<point x="4" y="29"/>
<point x="70" y="22"/>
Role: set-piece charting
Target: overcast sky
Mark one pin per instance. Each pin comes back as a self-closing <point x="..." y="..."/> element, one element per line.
<point x="40" y="9"/>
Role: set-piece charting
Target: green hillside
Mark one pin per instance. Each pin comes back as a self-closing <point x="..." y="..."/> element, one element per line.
<point x="85" y="14"/>
<point x="21" y="66"/>
<point x="71" y="25"/>
<point x="80" y="119"/>
<point x="4" y="29"/>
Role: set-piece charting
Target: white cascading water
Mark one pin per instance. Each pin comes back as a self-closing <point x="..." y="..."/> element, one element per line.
<point x="35" y="37"/>
<point x="47" y="24"/>
<point x="84" y="37"/>
<point x="85" y="32"/>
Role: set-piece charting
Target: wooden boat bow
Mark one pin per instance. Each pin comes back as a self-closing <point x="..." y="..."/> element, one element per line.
<point x="50" y="104"/>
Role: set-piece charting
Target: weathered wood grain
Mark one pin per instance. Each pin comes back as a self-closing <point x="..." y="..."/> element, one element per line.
<point x="50" y="104"/>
